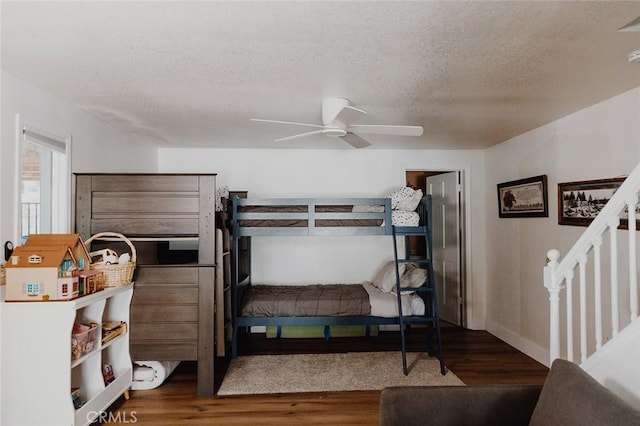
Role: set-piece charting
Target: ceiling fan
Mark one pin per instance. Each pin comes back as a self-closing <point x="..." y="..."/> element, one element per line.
<point x="337" y="118"/>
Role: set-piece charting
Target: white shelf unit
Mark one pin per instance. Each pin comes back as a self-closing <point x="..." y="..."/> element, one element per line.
<point x="38" y="372"/>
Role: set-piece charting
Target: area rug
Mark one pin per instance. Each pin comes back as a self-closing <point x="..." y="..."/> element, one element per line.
<point x="263" y="374"/>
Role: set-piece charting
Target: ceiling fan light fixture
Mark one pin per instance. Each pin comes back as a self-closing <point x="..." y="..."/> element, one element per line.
<point x="331" y="107"/>
<point x="334" y="132"/>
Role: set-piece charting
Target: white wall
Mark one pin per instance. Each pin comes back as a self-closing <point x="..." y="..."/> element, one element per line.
<point x="615" y="365"/>
<point x="601" y="141"/>
<point x="340" y="173"/>
<point x="96" y="147"/>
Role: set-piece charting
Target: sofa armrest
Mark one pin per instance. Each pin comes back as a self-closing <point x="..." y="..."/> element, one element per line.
<point x="458" y="405"/>
<point x="570" y="396"/>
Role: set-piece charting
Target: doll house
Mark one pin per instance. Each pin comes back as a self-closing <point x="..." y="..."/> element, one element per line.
<point x="73" y="241"/>
<point x="50" y="267"/>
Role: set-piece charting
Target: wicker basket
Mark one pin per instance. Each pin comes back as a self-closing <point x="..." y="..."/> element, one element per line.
<point x="115" y="275"/>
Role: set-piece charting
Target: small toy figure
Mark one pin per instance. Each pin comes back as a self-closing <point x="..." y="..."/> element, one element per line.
<point x="107" y="374"/>
<point x="104" y="257"/>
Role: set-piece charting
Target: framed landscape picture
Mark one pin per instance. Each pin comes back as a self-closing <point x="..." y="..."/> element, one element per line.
<point x="523" y="198"/>
<point x="580" y="202"/>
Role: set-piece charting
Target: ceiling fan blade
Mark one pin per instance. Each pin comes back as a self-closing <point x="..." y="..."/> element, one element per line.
<point x="386" y="129"/>
<point x="348" y="115"/>
<point x="355" y="140"/>
<point x="301" y="135"/>
<point x="287" y="122"/>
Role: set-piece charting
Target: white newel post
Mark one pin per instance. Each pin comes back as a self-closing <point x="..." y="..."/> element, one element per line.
<point x="554" y="303"/>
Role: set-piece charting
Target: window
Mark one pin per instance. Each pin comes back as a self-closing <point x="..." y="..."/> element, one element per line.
<point x="32" y="289"/>
<point x="65" y="266"/>
<point x="44" y="182"/>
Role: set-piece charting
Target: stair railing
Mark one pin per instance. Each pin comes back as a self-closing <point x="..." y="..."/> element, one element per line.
<point x="559" y="275"/>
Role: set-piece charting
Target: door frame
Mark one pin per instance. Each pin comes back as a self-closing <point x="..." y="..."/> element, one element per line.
<point x="465" y="235"/>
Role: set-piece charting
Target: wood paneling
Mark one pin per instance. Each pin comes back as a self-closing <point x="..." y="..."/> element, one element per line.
<point x="164" y="331"/>
<point x="158" y="313"/>
<point x="150" y="295"/>
<point x="144" y="182"/>
<point x="173" y="306"/>
<point x="165" y="351"/>
<point x="160" y="275"/>
<point x="144" y="202"/>
<point x="149" y="226"/>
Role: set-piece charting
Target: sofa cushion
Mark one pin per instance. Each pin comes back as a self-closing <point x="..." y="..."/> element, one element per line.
<point x="570" y="396"/>
<point x="458" y="405"/>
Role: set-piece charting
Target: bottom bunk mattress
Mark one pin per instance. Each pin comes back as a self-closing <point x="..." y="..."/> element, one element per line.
<point x="326" y="300"/>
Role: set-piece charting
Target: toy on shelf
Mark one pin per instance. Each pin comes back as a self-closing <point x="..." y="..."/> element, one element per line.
<point x="107" y="374"/>
<point x="48" y="267"/>
<point x="104" y="257"/>
<point x="118" y="270"/>
<point x="76" y="398"/>
<point x="84" y="339"/>
<point x="112" y="329"/>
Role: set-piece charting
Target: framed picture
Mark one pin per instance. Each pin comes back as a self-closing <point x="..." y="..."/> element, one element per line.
<point x="580" y="202"/>
<point x="524" y="198"/>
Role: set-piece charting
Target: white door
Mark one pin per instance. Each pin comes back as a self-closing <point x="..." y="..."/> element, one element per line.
<point x="445" y="193"/>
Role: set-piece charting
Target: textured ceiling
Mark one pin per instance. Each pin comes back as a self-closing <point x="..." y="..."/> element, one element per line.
<point x="192" y="74"/>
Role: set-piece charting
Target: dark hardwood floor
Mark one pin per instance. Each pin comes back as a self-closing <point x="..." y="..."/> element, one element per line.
<point x="476" y="357"/>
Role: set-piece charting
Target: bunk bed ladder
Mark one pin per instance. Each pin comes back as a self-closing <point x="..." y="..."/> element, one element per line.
<point x="428" y="292"/>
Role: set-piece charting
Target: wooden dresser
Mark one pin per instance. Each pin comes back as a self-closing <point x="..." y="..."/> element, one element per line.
<point x="170" y="218"/>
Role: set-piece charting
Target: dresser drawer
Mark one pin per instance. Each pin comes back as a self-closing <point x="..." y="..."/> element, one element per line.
<point x="166" y="294"/>
<point x="163" y="351"/>
<point x="166" y="275"/>
<point x="164" y="331"/>
<point x="142" y="313"/>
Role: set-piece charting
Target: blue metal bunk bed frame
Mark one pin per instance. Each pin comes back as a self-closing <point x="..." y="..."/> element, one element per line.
<point x="244" y="233"/>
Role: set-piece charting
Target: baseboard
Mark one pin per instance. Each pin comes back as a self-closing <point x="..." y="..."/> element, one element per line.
<point x="525" y="346"/>
<point x="476" y="324"/>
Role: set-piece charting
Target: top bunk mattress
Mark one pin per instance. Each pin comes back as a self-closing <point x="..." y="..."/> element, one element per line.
<point x="312" y="216"/>
<point x="293" y="221"/>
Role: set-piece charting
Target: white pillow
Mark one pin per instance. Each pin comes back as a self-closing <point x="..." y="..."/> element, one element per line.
<point x="385" y="279"/>
<point x="413" y="277"/>
<point x="400" y="195"/>
<point x="406" y="199"/>
<point x="411" y="203"/>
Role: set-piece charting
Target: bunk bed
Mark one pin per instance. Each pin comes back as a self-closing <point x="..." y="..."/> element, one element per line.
<point x="330" y="304"/>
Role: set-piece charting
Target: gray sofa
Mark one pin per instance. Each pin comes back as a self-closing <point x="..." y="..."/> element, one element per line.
<point x="568" y="397"/>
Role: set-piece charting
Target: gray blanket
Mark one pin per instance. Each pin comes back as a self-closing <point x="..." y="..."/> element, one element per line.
<point x="307" y="300"/>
